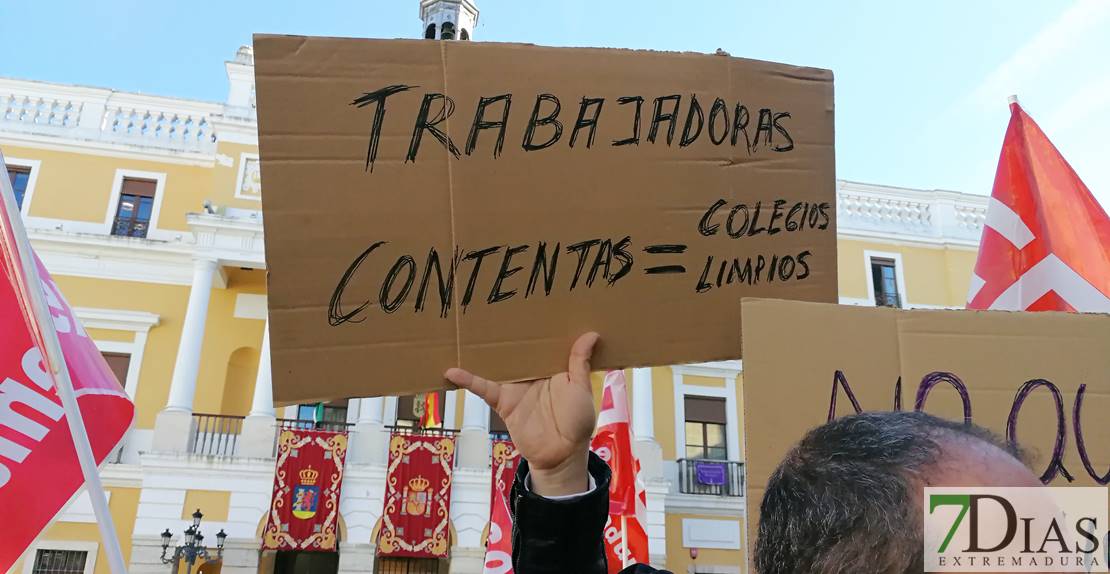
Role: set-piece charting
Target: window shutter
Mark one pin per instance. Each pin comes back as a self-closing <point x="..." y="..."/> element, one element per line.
<point x="705" y="409"/>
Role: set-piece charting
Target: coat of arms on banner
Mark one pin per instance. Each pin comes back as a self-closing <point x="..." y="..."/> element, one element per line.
<point x="306" y="495"/>
<point x="304" y="510"/>
<point x="416" y="518"/>
<point x="416" y="497"/>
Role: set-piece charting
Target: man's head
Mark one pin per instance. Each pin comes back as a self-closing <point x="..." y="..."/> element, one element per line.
<point x="848" y="497"/>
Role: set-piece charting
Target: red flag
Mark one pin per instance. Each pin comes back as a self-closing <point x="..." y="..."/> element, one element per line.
<point x="37" y="458"/>
<point x="504" y="457"/>
<point x="430" y="419"/>
<point x="499" y="544"/>
<point x="625" y="535"/>
<point x="1046" y="241"/>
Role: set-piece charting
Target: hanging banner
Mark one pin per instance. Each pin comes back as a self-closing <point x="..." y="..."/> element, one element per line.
<point x="416" y="520"/>
<point x="304" y="512"/>
<point x="504" y="458"/>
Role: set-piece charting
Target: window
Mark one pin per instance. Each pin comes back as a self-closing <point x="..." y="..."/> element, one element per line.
<point x="884" y="278"/>
<point x="59" y="562"/>
<point x="430" y="33"/>
<point x="119" y="363"/>
<point x="407" y="410"/>
<point x="136" y="202"/>
<point x="20" y="177"/>
<point x="324" y="414"/>
<point x="464" y="35"/>
<point x="705" y="428"/>
<point x="447" y="31"/>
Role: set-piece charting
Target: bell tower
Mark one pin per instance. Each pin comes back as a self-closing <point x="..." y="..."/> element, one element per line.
<point x="449" y="19"/>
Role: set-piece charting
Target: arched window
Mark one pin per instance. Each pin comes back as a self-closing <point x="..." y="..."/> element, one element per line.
<point x="430" y="33"/>
<point x="464" y="35"/>
<point x="447" y="31"/>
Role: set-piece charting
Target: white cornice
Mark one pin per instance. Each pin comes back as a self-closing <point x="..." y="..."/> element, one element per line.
<point x="706" y="504"/>
<point x="116" y="319"/>
<point x="105" y="149"/>
<point x="721" y="369"/>
<point x="232" y="240"/>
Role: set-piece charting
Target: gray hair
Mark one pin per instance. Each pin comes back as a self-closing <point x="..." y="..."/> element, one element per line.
<point x="843" y="500"/>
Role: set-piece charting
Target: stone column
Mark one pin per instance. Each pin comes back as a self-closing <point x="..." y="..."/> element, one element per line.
<point x="474" y="440"/>
<point x="643" y="425"/>
<point x="369" y="443"/>
<point x="260" y="426"/>
<point x="173" y="425"/>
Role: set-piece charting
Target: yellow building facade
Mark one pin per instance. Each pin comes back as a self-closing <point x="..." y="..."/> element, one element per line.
<point x="147" y="212"/>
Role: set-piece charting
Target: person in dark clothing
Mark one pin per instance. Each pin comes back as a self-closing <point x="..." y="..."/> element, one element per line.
<point x="847" y="498"/>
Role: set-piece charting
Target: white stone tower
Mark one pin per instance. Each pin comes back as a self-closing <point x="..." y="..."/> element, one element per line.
<point x="449" y="19"/>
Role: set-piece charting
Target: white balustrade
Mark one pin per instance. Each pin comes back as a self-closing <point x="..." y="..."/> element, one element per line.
<point x="40" y="111"/>
<point x="943" y="216"/>
<point x="92" y="114"/>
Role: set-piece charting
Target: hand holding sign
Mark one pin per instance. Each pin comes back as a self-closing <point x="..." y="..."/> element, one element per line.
<point x="551" y="420"/>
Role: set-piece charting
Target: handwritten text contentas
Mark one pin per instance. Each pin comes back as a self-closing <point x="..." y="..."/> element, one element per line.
<point x="538" y="268"/>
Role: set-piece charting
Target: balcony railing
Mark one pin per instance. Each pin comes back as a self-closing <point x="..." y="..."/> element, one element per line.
<point x="311" y="425"/>
<point x="308" y="425"/>
<point x="216" y="435"/>
<point x="130" y="227"/>
<point x="712" y="477"/>
<point x="399" y="429"/>
<point x="888" y="300"/>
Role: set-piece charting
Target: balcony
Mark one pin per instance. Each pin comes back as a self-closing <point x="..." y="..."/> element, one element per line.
<point x="710" y="477"/>
<point x="215" y="435"/>
<point x="888" y="300"/>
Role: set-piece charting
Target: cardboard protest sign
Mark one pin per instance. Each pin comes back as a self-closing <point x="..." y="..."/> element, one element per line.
<point x="1041" y="378"/>
<point x="433" y="204"/>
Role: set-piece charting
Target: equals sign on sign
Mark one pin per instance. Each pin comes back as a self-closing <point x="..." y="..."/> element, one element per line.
<point x="664" y="250"/>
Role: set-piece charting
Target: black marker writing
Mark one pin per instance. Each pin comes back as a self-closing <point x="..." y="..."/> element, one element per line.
<point x="480" y="123"/>
<point x="550" y="119"/>
<point x="587" y="122"/>
<point x="377" y="97"/>
<point x="431" y="126"/>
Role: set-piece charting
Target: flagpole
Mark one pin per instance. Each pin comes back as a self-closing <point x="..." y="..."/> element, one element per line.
<point x="56" y="364"/>
<point x="624" y="538"/>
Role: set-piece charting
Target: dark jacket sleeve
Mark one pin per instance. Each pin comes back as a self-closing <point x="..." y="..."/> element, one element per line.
<point x="562" y="536"/>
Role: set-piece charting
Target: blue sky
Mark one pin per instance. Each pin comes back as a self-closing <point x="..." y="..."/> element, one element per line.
<point x="920" y="86"/>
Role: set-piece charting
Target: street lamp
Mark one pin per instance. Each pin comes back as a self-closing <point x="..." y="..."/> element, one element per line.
<point x="193" y="547"/>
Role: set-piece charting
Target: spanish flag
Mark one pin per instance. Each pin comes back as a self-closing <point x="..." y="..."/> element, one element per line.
<point x="431" y="418"/>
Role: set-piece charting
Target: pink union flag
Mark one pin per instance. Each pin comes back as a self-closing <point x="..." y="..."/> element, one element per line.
<point x="39" y="471"/>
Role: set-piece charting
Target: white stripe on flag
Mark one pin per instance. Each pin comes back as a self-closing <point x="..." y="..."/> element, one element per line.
<point x="93" y="391"/>
<point x="1008" y="224"/>
<point x="1052" y="274"/>
<point x="977" y="283"/>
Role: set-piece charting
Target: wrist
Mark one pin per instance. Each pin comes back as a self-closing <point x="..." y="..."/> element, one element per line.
<point x="569" y="477"/>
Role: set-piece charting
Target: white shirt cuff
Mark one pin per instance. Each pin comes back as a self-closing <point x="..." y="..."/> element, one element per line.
<point x="592" y="486"/>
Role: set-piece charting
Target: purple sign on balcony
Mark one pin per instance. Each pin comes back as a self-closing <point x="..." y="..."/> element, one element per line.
<point x="710" y="473"/>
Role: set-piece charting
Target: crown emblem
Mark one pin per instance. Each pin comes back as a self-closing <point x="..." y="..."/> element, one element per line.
<point x="309" y="476"/>
<point x="419" y="484"/>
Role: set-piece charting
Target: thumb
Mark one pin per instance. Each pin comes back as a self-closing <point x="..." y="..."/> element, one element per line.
<point x="581" y="352"/>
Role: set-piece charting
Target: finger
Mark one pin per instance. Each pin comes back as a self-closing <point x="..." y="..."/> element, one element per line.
<point x="580" y="354"/>
<point x="488" y="391"/>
